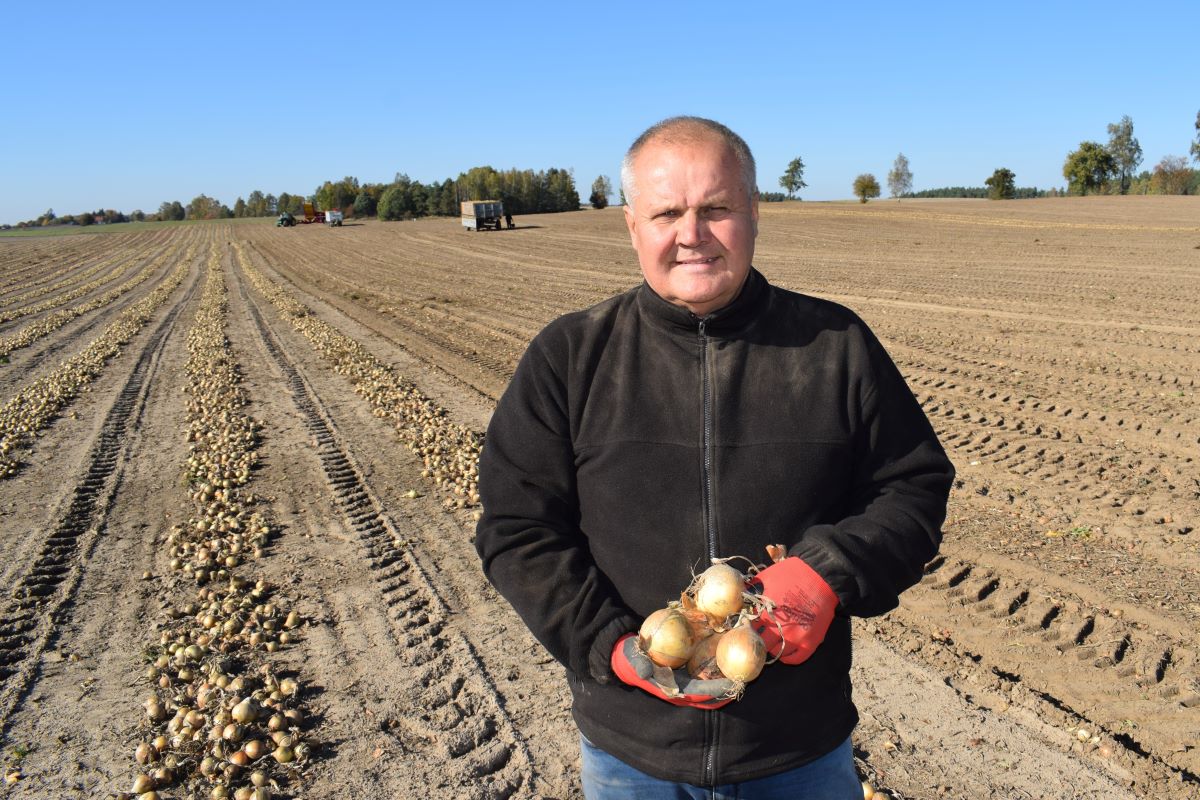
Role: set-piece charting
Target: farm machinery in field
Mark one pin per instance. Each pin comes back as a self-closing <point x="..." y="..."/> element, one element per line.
<point x="312" y="215"/>
<point x="484" y="215"/>
<point x="333" y="218"/>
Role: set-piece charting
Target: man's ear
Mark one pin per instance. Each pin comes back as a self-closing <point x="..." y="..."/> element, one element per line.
<point x="631" y="221"/>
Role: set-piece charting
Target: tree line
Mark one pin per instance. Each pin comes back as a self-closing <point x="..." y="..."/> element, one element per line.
<point x="987" y="191"/>
<point x="522" y="192"/>
<point x="104" y="216"/>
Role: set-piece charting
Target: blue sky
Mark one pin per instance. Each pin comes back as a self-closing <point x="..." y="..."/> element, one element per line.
<point x="125" y="105"/>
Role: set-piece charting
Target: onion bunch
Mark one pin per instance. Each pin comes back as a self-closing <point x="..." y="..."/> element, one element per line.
<point x="708" y="630"/>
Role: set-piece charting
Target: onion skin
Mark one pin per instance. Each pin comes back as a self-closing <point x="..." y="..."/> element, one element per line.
<point x="666" y="638"/>
<point x="703" y="663"/>
<point x="741" y="654"/>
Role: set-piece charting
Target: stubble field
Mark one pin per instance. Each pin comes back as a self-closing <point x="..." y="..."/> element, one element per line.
<point x="207" y="428"/>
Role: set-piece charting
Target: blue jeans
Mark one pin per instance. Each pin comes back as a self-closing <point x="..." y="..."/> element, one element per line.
<point x="830" y="777"/>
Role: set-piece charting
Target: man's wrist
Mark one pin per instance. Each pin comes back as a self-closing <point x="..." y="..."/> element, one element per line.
<point x="600" y="656"/>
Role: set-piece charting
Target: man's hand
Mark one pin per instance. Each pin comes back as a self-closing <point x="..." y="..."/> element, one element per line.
<point x="803" y="609"/>
<point x="633" y="667"/>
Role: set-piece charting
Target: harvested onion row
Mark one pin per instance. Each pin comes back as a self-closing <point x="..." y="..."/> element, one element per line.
<point x="38" y="403"/>
<point x="52" y="322"/>
<point x="222" y="723"/>
<point x="450" y="452"/>
<point x="72" y="294"/>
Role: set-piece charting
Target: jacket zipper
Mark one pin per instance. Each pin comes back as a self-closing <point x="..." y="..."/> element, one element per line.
<point x="711" y="720"/>
<point x="706" y="387"/>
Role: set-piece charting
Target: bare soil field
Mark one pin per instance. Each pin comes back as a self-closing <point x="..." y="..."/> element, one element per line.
<point x="239" y="466"/>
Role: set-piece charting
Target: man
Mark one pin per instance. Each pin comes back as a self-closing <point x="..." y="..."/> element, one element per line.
<point x="707" y="414"/>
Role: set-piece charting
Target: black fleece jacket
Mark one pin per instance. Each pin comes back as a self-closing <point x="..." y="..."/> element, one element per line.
<point x="637" y="441"/>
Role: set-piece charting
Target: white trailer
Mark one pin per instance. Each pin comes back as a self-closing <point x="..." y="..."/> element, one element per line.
<point x="480" y="215"/>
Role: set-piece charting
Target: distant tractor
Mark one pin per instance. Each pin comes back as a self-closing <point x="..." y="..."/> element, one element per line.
<point x="482" y="215"/>
<point x="286" y="220"/>
<point x="333" y="218"/>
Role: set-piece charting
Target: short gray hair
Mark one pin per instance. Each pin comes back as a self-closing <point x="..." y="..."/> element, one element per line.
<point x="689" y="129"/>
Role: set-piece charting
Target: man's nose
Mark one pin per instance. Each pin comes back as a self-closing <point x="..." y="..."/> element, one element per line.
<point x="691" y="230"/>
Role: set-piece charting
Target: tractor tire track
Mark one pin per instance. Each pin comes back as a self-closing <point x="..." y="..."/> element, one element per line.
<point x="1119" y="676"/>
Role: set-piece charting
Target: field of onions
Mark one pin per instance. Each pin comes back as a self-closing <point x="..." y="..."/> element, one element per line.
<point x="238" y="490"/>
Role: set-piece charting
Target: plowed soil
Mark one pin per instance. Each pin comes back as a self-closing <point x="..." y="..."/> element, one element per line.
<point x="1050" y="651"/>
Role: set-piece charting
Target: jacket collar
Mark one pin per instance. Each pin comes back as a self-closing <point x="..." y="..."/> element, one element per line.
<point x="749" y="304"/>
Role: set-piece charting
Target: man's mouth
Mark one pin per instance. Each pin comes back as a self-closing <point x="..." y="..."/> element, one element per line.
<point x="696" y="261"/>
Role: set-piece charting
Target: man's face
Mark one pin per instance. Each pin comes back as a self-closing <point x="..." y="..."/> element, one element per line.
<point x="692" y="223"/>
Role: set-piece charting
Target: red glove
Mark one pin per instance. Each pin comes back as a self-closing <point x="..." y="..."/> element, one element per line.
<point x="804" y="606"/>
<point x="635" y="668"/>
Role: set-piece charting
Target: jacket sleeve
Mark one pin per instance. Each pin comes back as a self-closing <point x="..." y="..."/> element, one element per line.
<point x="528" y="537"/>
<point x="896" y="508"/>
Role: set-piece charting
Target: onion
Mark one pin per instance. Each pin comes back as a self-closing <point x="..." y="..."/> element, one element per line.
<point x="719" y="591"/>
<point x="245" y="711"/>
<point x="741" y="654"/>
<point x="145" y="754"/>
<point x="666" y="638"/>
<point x="155" y="710"/>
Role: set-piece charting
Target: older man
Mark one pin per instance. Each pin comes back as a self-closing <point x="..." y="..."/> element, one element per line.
<point x="707" y="414"/>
